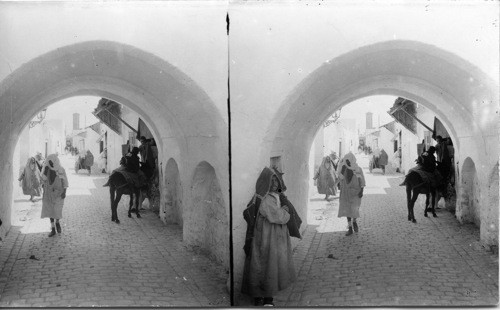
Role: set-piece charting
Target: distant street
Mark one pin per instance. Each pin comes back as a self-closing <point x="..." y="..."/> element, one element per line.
<point x="95" y="262"/>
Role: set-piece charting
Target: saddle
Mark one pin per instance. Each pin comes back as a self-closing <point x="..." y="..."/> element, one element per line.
<point x="136" y="179"/>
<point x="431" y="179"/>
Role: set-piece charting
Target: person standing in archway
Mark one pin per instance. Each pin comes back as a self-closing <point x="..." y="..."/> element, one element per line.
<point x="352" y="182"/>
<point x="397" y="159"/>
<point x="325" y="178"/>
<point x="88" y="161"/>
<point x="55" y="183"/>
<point x="30" y="179"/>
<point x="269" y="263"/>
<point x="39" y="161"/>
<point x="383" y="160"/>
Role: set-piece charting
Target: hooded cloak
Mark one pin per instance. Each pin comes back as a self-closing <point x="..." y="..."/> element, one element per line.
<point x="352" y="180"/>
<point x="55" y="182"/>
<point x="383" y="159"/>
<point x="30" y="178"/>
<point x="325" y="177"/>
<point x="269" y="267"/>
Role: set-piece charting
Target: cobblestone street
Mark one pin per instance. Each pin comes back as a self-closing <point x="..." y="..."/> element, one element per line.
<point x="95" y="262"/>
<point x="391" y="261"/>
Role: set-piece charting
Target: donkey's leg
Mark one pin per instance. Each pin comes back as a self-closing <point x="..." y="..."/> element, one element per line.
<point x="427" y="196"/>
<point x="434" y="202"/>
<point x="112" y="200"/>
<point x="413" y="200"/>
<point x="408" y="201"/>
<point x="137" y="195"/>
<point x="117" y="200"/>
<point x="131" y="204"/>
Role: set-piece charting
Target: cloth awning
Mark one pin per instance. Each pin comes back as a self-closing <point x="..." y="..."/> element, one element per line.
<point x="80" y="133"/>
<point x="391" y="126"/>
<point x="375" y="133"/>
<point x="439" y="129"/>
<point x="96" y="127"/>
<point x="143" y="130"/>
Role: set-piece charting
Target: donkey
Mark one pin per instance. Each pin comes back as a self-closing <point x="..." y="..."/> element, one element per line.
<point x="415" y="185"/>
<point x="118" y="186"/>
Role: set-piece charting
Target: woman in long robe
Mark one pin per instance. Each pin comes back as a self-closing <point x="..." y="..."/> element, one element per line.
<point x="352" y="182"/>
<point x="30" y="179"/>
<point x="55" y="183"/>
<point x="325" y="178"/>
<point x="269" y="266"/>
<point x="88" y="161"/>
<point x="383" y="160"/>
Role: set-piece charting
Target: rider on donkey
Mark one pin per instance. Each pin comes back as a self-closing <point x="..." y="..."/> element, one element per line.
<point x="130" y="169"/>
<point x="426" y="167"/>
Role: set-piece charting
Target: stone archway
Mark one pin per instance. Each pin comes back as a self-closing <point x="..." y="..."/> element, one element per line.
<point x="178" y="112"/>
<point x="208" y="214"/>
<point x="468" y="208"/>
<point x="400" y="68"/>
<point x="172" y="205"/>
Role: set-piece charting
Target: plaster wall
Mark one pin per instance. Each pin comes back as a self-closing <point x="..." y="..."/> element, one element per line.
<point x="289" y="71"/>
<point x="468" y="210"/>
<point x="171" y="209"/>
<point x="207" y="215"/>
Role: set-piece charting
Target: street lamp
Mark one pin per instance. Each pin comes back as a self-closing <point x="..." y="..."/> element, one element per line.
<point x="333" y="118"/>
<point x="39" y="118"/>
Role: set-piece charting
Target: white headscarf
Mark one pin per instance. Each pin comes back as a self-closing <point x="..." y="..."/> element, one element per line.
<point x="353" y="167"/>
<point x="61" y="173"/>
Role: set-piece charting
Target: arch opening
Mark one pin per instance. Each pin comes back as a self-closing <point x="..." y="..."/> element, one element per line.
<point x="396" y="68"/>
<point x="170" y="103"/>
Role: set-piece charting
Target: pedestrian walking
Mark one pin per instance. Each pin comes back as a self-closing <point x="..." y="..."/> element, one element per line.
<point x="397" y="159"/>
<point x="269" y="264"/>
<point x="55" y="183"/>
<point x="88" y="162"/>
<point x="335" y="160"/>
<point x="102" y="160"/>
<point x="383" y="160"/>
<point x="39" y="161"/>
<point x="326" y="179"/>
<point x="30" y="179"/>
<point x="352" y="182"/>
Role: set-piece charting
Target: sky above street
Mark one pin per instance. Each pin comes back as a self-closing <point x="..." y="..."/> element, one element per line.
<point x="64" y="110"/>
<point x="378" y="105"/>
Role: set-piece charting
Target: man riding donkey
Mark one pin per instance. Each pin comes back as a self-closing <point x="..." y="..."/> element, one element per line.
<point x="425" y="178"/>
<point x="130" y="169"/>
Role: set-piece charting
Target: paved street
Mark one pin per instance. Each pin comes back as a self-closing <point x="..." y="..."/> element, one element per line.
<point x="390" y="262"/>
<point x="95" y="262"/>
<point x="143" y="262"/>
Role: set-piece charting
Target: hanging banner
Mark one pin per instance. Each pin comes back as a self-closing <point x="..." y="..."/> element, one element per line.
<point x="143" y="130"/>
<point x="439" y="129"/>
